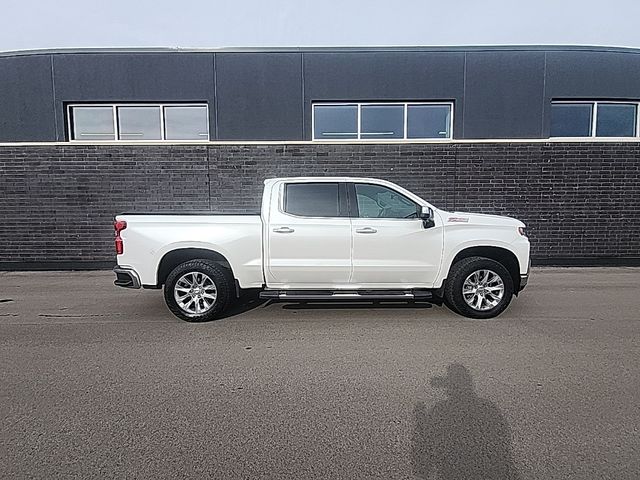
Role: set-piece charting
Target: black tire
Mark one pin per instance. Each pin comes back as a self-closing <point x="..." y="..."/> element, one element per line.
<point x="223" y="290"/>
<point x="460" y="271"/>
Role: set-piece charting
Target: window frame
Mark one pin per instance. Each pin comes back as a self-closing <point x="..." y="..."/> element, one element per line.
<point x="359" y="106"/>
<point x="116" y="129"/>
<point x="594" y="116"/>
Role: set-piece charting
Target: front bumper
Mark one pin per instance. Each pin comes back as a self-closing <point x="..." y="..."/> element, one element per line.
<point x="524" y="277"/>
<point x="126" y="277"/>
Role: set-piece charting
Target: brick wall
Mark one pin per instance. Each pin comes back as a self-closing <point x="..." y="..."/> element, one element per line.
<point x="581" y="201"/>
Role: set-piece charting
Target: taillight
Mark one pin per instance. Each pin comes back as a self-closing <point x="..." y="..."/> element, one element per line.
<point x="119" y="225"/>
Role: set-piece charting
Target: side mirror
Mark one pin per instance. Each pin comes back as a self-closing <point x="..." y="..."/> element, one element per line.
<point x="426" y="214"/>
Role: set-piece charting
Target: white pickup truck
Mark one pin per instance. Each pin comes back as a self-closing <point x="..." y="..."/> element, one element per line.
<point x="326" y="238"/>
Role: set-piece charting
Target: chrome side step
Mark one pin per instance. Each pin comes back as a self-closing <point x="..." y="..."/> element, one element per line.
<point x="347" y="295"/>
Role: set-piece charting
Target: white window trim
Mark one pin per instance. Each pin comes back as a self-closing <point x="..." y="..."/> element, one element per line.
<point x="115" y="106"/>
<point x="594" y="116"/>
<point x="359" y="106"/>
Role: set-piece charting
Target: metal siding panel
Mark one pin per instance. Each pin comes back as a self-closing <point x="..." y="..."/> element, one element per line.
<point x="26" y="99"/>
<point x="259" y="96"/>
<point x="365" y="76"/>
<point x="504" y="95"/>
<point x="598" y="75"/>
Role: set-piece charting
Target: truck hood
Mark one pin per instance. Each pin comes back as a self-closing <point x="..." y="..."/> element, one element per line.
<point x="463" y="218"/>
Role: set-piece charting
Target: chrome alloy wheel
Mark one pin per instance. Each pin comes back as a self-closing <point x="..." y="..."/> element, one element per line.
<point x="483" y="290"/>
<point x="195" y="293"/>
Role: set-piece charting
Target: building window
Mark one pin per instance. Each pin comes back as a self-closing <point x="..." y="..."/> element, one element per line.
<point x="93" y="123"/>
<point x="571" y="119"/>
<point x="335" y="122"/>
<point x="594" y="119"/>
<point x="186" y="123"/>
<point x="381" y="121"/>
<point x="138" y="122"/>
<point x="616" y="120"/>
<point x="428" y="121"/>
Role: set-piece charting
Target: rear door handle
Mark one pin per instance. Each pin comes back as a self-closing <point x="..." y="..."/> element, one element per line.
<point x="366" y="230"/>
<point x="283" y="230"/>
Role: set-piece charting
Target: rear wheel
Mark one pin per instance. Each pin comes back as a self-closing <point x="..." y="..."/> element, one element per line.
<point x="197" y="290"/>
<point x="478" y="287"/>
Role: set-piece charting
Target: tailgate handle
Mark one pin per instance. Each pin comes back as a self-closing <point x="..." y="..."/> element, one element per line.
<point x="283" y="230"/>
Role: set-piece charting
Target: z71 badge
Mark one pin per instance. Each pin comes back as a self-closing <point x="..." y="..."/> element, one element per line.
<point x="458" y="219"/>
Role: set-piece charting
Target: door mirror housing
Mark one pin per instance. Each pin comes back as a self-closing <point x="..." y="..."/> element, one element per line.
<point x="426" y="214"/>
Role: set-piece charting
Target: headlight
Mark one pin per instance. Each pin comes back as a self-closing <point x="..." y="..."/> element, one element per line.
<point x="522" y="231"/>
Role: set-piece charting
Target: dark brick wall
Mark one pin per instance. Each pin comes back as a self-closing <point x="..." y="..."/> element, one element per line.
<point x="57" y="202"/>
<point x="581" y="201"/>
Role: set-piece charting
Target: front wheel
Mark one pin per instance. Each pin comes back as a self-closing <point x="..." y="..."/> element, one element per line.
<point x="197" y="290"/>
<point x="478" y="287"/>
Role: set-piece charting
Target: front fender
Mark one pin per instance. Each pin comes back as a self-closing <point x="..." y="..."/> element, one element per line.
<point x="451" y="253"/>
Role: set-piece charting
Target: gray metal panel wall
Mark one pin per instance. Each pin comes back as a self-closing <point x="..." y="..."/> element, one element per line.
<point x="376" y="76"/>
<point x="498" y="93"/>
<point x="259" y="96"/>
<point x="149" y="77"/>
<point x="26" y="99"/>
<point x="503" y="95"/>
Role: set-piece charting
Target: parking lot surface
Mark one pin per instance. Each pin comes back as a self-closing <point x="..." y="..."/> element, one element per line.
<point x="102" y="382"/>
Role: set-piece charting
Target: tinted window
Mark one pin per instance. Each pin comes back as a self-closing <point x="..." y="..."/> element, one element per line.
<point x="616" y="120"/>
<point x="428" y="121"/>
<point x="382" y="121"/>
<point x="93" y="123"/>
<point x="186" y="123"/>
<point x="376" y="201"/>
<point x="571" y="120"/>
<point x="312" y="199"/>
<point x="335" y="121"/>
<point x="139" y="123"/>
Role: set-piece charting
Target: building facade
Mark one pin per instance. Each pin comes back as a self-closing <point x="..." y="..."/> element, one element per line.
<point x="547" y="134"/>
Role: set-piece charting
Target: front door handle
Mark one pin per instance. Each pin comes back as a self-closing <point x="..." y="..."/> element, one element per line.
<point x="366" y="230"/>
<point x="283" y="230"/>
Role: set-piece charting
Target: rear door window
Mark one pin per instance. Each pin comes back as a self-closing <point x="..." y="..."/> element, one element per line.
<point x="322" y="199"/>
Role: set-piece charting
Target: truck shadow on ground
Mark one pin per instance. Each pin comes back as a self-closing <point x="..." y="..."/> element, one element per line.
<point x="462" y="437"/>
<point x="247" y="301"/>
<point x="332" y="305"/>
<point x="250" y="300"/>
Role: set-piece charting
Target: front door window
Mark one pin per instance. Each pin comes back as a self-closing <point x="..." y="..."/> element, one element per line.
<point x="376" y="201"/>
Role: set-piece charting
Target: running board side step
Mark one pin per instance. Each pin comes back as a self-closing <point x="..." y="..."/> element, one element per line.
<point x="347" y="295"/>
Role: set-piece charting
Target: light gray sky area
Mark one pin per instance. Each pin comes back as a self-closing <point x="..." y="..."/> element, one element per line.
<point x="29" y="24"/>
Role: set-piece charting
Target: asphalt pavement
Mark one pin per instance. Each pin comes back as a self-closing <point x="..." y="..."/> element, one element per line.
<point x="102" y="382"/>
